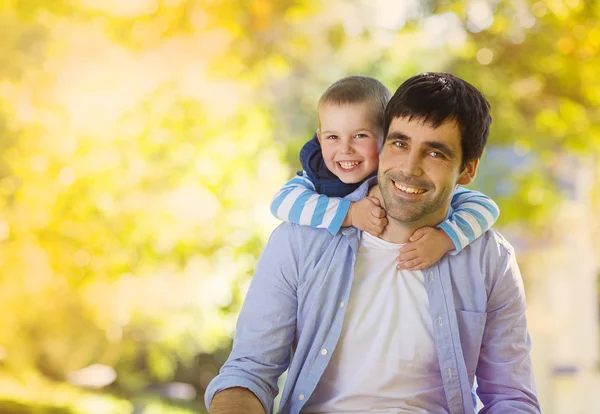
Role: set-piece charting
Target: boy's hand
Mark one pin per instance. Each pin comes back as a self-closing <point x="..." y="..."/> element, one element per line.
<point x="426" y="246"/>
<point x="367" y="215"/>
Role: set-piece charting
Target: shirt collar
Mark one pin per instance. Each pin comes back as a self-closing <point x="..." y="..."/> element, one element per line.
<point x="362" y="191"/>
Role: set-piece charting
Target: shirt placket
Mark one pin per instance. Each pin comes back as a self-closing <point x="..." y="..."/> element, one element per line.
<point x="302" y="394"/>
<point x="441" y="304"/>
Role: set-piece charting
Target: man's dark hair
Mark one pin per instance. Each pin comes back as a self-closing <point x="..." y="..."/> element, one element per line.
<point x="439" y="97"/>
<point x="356" y="90"/>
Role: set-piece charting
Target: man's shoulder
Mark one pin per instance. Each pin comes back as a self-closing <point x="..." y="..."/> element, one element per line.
<point x="493" y="242"/>
<point x="480" y="264"/>
<point x="309" y="245"/>
<point x="302" y="233"/>
<point x="491" y="250"/>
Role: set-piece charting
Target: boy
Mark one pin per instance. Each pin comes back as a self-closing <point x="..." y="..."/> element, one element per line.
<point x="343" y="153"/>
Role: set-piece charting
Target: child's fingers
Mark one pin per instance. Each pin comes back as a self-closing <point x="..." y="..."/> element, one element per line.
<point x="378" y="212"/>
<point x="376" y="231"/>
<point x="379" y="222"/>
<point x="420" y="232"/>
<point x="408" y="247"/>
<point x="374" y="200"/>
<point x="414" y="264"/>
<point x="407" y="256"/>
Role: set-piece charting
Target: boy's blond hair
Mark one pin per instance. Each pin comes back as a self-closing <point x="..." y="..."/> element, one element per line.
<point x="358" y="89"/>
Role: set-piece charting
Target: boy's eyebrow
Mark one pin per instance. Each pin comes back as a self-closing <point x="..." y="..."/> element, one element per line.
<point x="436" y="145"/>
<point x="359" y="129"/>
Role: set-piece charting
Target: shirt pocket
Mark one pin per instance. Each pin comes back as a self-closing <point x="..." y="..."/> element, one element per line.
<point x="471" y="326"/>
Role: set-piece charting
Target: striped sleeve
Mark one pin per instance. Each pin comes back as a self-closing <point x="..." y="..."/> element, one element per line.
<point x="298" y="202"/>
<point x="474" y="213"/>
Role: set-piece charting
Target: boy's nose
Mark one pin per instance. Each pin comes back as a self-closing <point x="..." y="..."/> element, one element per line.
<point x="347" y="147"/>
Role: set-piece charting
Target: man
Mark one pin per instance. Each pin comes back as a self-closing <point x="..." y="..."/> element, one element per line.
<point x="359" y="336"/>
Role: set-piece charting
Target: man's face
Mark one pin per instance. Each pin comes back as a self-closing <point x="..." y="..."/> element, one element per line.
<point x="350" y="138"/>
<point x="419" y="167"/>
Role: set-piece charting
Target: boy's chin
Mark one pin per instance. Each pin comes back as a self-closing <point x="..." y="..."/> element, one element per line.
<point x="352" y="180"/>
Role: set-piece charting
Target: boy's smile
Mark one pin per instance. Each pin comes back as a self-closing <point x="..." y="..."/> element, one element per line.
<point x="350" y="138"/>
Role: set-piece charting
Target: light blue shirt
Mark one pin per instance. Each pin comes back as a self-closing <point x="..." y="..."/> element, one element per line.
<point x="294" y="310"/>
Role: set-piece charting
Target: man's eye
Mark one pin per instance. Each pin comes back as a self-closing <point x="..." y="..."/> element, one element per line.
<point x="436" y="154"/>
<point x="399" y="144"/>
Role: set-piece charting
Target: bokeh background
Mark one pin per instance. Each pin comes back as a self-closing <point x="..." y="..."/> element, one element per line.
<point x="141" y="142"/>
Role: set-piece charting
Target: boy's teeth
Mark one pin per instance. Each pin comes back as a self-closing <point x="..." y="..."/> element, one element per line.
<point x="409" y="190"/>
<point x="348" y="164"/>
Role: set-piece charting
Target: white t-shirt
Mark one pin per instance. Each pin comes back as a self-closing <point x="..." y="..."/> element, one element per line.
<point x="385" y="360"/>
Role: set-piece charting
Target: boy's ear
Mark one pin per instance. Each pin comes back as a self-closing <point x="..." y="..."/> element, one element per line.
<point x="319" y="135"/>
<point x="469" y="172"/>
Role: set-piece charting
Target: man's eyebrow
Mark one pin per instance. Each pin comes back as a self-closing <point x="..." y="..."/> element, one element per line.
<point x="436" y="145"/>
<point x="398" y="136"/>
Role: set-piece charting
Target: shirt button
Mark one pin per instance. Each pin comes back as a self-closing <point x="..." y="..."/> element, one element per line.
<point x="440" y="321"/>
<point x="323" y="352"/>
<point x="342" y="304"/>
<point x="301" y="397"/>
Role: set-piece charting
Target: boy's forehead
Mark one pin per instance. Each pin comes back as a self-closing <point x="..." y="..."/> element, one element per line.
<point x="366" y="105"/>
<point x="365" y="110"/>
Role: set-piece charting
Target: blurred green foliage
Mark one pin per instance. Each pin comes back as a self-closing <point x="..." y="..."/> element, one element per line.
<point x="141" y="143"/>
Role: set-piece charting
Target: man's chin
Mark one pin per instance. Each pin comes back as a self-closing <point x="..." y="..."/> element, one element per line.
<point x="404" y="212"/>
<point x="404" y="217"/>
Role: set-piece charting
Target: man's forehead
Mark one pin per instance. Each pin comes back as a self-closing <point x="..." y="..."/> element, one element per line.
<point x="420" y="127"/>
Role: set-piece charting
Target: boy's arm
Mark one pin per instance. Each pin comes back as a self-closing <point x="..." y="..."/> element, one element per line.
<point x="299" y="203"/>
<point x="473" y="214"/>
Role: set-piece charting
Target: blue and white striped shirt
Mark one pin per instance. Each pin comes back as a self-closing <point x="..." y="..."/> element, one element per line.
<point x="297" y="202"/>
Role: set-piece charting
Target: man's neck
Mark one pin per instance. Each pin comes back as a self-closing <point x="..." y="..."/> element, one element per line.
<point x="397" y="231"/>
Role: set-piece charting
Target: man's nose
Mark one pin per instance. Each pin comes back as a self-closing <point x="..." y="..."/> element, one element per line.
<point x="412" y="165"/>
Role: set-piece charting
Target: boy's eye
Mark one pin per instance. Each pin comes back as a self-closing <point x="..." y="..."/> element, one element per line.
<point x="332" y="137"/>
<point x="361" y="136"/>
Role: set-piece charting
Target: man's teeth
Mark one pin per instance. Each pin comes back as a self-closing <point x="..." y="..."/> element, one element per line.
<point x="348" y="164"/>
<point x="408" y="190"/>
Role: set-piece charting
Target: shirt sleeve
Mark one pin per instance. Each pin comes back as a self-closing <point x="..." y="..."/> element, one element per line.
<point x="298" y="202"/>
<point x="504" y="370"/>
<point x="474" y="214"/>
<point x="266" y="324"/>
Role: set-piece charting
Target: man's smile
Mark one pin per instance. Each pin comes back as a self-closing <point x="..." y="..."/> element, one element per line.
<point x="408" y="190"/>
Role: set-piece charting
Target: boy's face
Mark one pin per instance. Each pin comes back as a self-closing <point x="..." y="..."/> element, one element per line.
<point x="350" y="138"/>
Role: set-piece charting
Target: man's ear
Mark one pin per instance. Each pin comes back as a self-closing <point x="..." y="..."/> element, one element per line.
<point x="469" y="172"/>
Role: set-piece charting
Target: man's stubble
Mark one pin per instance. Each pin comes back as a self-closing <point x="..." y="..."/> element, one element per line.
<point x="406" y="211"/>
